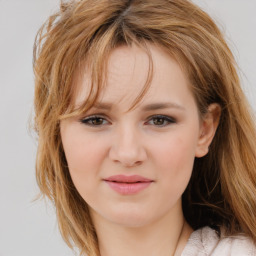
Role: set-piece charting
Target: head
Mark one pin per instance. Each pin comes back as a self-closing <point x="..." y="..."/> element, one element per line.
<point x="83" y="37"/>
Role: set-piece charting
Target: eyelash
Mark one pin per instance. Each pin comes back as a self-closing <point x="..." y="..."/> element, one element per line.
<point x="166" y="119"/>
<point x="91" y="118"/>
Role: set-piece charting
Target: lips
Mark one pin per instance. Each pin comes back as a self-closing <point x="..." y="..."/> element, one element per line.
<point x="127" y="185"/>
<point x="127" y="179"/>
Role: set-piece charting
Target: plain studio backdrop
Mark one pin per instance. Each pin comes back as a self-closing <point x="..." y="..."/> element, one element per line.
<point x="29" y="228"/>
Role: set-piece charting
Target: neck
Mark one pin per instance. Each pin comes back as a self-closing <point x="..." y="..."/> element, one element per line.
<point x="165" y="237"/>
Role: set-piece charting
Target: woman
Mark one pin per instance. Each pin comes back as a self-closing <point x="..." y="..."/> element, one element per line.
<point x="146" y="140"/>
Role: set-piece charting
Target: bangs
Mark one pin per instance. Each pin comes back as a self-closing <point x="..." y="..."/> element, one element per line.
<point x="94" y="67"/>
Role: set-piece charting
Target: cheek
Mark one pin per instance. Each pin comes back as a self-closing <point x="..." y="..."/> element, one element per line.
<point x="84" y="156"/>
<point x="80" y="147"/>
<point x="80" y="153"/>
<point x="175" y="159"/>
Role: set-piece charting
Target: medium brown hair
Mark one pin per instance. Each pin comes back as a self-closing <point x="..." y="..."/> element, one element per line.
<point x="222" y="189"/>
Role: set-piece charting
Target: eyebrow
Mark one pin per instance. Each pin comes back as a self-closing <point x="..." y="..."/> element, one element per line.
<point x="156" y="106"/>
<point x="103" y="106"/>
<point x="149" y="107"/>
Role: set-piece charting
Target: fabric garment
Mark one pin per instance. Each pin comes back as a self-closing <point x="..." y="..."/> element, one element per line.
<point x="206" y="242"/>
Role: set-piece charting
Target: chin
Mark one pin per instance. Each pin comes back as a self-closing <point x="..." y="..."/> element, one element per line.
<point x="130" y="217"/>
<point x="134" y="214"/>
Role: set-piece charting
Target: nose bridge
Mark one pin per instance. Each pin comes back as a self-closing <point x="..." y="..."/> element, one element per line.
<point x="127" y="147"/>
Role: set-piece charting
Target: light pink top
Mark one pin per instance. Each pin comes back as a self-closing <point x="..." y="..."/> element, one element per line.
<point x="206" y="242"/>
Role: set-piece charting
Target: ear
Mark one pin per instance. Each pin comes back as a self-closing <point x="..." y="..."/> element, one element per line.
<point x="208" y="127"/>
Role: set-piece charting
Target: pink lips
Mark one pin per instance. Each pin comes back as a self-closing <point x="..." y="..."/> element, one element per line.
<point x="127" y="185"/>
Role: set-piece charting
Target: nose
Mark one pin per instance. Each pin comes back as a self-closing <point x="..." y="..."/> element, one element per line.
<point x="127" y="147"/>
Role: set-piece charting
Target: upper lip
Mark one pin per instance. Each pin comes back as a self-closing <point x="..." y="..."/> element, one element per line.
<point x="127" y="179"/>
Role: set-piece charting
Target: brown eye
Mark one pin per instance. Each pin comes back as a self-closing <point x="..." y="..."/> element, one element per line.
<point x="94" y="121"/>
<point x="97" y="121"/>
<point x="161" y="121"/>
<point x="158" y="121"/>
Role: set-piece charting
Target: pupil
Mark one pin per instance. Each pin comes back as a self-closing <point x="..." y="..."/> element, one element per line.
<point x="158" y="121"/>
<point x="97" y="121"/>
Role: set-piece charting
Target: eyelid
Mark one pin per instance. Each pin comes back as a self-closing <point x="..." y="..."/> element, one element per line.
<point x="169" y="119"/>
<point x="85" y="120"/>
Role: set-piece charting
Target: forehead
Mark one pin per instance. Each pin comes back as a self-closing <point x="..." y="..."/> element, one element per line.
<point x="127" y="73"/>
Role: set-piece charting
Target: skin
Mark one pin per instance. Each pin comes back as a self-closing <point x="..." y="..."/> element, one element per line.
<point x="135" y="143"/>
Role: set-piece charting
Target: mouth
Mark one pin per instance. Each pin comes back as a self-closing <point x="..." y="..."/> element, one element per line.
<point x="128" y="185"/>
<point x="127" y="179"/>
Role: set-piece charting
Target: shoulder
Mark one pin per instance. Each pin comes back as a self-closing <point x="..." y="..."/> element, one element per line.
<point x="206" y="242"/>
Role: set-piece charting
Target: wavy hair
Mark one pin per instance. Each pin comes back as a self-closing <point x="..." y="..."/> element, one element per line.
<point x="222" y="189"/>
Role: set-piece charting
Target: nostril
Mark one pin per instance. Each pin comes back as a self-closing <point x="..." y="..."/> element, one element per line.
<point x="129" y="153"/>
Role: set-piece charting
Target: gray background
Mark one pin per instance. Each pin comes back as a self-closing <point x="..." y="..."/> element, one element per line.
<point x="29" y="228"/>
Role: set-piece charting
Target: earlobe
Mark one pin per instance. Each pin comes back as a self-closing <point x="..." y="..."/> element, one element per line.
<point x="208" y="128"/>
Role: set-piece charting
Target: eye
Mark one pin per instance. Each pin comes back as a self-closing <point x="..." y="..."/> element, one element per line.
<point x="94" y="121"/>
<point x="161" y="120"/>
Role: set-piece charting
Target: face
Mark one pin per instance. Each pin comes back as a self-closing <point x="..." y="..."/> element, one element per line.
<point x="131" y="167"/>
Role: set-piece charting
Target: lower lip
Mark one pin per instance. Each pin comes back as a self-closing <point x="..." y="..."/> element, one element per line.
<point x="128" y="188"/>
